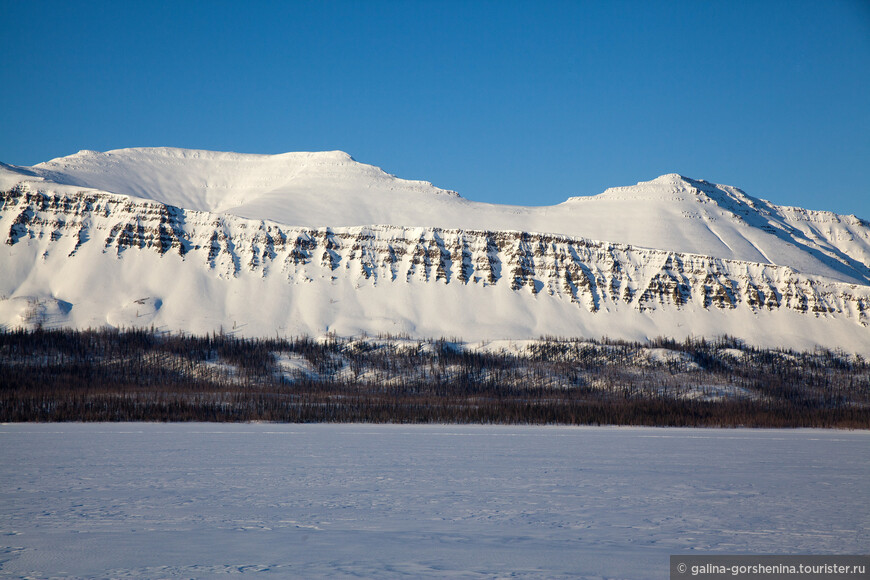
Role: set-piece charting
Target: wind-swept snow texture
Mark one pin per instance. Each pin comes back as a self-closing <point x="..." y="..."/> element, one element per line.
<point x="363" y="501"/>
<point x="307" y="243"/>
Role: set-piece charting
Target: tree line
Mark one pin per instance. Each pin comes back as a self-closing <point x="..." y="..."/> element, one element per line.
<point x="144" y="375"/>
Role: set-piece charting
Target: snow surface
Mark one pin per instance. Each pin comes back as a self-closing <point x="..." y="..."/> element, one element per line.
<point x="206" y="500"/>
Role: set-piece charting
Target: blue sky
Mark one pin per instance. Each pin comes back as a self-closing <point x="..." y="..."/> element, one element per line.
<point x="506" y="102"/>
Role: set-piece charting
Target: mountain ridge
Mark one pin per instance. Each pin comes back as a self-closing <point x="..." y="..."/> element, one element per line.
<point x="330" y="189"/>
<point x="80" y="256"/>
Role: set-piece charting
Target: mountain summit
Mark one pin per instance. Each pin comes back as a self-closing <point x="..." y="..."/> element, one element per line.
<point x="291" y="188"/>
<point x="315" y="242"/>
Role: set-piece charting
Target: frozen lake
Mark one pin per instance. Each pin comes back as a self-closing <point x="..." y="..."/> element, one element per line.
<point x="203" y="500"/>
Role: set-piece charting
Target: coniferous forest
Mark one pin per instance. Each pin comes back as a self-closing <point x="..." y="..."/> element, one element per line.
<point x="143" y="375"/>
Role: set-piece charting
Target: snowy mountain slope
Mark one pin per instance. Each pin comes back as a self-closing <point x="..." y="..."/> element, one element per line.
<point x="89" y="258"/>
<point x="293" y="188"/>
<point x="671" y="212"/>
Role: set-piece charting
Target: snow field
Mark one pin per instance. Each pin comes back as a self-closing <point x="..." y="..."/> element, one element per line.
<point x="206" y="500"/>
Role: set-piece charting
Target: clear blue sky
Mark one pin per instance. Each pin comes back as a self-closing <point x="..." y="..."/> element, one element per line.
<point x="507" y="102"/>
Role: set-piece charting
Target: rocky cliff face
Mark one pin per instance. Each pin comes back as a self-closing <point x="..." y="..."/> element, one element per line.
<point x="595" y="277"/>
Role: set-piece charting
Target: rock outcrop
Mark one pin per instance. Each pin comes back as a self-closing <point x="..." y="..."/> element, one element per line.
<point x="596" y="276"/>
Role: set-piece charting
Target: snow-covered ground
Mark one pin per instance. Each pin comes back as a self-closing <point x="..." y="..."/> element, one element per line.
<point x="203" y="500"/>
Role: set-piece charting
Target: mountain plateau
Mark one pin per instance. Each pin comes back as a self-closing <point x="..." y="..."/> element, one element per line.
<point x="309" y="243"/>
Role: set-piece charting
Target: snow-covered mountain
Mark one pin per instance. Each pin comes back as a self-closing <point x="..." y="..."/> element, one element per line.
<point x="317" y="242"/>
